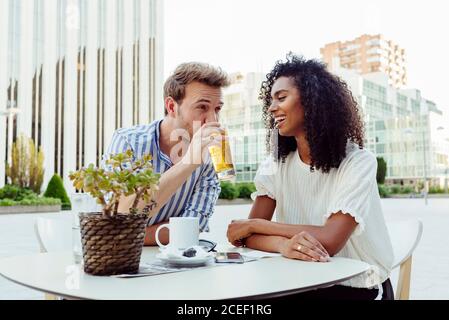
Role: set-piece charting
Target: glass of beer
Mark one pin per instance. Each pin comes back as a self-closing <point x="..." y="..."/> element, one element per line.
<point x="222" y="159"/>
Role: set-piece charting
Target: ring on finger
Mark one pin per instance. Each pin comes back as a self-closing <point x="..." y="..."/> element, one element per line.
<point x="299" y="248"/>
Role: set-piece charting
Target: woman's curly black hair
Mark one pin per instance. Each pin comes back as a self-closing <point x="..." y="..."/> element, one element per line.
<point x="331" y="114"/>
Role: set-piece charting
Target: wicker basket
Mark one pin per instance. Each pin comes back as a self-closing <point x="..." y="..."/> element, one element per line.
<point x="112" y="245"/>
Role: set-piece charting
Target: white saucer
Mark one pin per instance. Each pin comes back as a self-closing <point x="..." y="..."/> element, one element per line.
<point x="184" y="261"/>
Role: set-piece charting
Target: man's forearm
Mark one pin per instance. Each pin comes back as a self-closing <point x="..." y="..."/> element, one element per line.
<point x="170" y="181"/>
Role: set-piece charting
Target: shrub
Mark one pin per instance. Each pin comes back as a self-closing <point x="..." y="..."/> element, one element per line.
<point x="381" y="170"/>
<point x="16" y="193"/>
<point x="407" y="190"/>
<point x="43" y="201"/>
<point x="436" y="189"/>
<point x="395" y="189"/>
<point x="383" y="191"/>
<point x="228" y="191"/>
<point x="26" y="202"/>
<point x="11" y="195"/>
<point x="9" y="192"/>
<point x="245" y="189"/>
<point x="55" y="189"/>
<point x="49" y="201"/>
<point x="7" y="203"/>
<point x="26" y="169"/>
<point x="38" y="201"/>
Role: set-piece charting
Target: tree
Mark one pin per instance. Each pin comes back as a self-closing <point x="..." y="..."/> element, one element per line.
<point x="381" y="170"/>
<point x="55" y="189"/>
<point x="27" y="167"/>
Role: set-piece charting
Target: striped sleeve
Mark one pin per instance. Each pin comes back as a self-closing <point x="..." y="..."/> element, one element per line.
<point x="205" y="194"/>
<point x="119" y="143"/>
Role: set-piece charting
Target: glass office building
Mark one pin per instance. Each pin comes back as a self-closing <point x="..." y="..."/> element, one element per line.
<point x="410" y="132"/>
<point x="73" y="71"/>
<point x="242" y="114"/>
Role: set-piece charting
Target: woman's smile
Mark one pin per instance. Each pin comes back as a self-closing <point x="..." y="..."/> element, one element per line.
<point x="279" y="121"/>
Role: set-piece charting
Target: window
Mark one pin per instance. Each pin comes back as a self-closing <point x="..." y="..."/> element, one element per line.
<point x="375" y="91"/>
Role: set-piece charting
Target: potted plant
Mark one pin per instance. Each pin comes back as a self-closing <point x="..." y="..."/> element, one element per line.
<point x="112" y="242"/>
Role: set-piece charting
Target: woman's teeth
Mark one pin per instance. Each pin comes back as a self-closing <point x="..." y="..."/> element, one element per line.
<point x="279" y="120"/>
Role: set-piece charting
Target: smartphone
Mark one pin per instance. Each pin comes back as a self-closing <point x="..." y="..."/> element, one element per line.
<point x="228" y="257"/>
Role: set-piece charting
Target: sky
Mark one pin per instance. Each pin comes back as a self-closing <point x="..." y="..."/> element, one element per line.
<point x="250" y="35"/>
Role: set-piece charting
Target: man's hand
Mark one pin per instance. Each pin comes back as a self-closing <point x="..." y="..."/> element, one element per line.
<point x="150" y="234"/>
<point x="240" y="229"/>
<point x="207" y="135"/>
<point x="305" y="247"/>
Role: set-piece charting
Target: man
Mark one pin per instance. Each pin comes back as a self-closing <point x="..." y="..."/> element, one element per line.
<point x="188" y="185"/>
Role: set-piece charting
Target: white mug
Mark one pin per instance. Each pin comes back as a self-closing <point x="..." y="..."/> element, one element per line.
<point x="184" y="233"/>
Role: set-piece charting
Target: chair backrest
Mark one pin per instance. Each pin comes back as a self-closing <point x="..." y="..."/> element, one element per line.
<point x="84" y="202"/>
<point x="54" y="234"/>
<point x="405" y="236"/>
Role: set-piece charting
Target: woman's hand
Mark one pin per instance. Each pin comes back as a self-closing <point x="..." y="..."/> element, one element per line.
<point x="239" y="230"/>
<point x="304" y="246"/>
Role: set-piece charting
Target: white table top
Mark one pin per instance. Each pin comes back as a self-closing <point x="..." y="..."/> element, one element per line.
<point x="56" y="273"/>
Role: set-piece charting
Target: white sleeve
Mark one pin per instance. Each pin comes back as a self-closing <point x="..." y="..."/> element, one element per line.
<point x="264" y="180"/>
<point x="354" y="187"/>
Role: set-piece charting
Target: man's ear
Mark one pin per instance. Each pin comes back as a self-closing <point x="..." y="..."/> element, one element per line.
<point x="170" y="106"/>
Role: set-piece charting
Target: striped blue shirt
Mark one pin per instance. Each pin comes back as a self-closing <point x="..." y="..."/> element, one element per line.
<point x="195" y="198"/>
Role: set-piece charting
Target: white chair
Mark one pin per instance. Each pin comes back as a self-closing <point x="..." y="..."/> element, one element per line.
<point x="53" y="235"/>
<point x="405" y="236"/>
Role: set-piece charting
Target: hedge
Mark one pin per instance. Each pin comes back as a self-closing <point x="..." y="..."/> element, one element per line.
<point x="434" y="190"/>
<point x="228" y="190"/>
<point x="245" y="189"/>
<point x="383" y="191"/>
<point x="40" y="201"/>
<point x="232" y="191"/>
<point x="16" y="193"/>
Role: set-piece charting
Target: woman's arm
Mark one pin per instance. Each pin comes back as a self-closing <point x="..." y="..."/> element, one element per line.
<point x="262" y="208"/>
<point x="333" y="235"/>
<point x="265" y="243"/>
<point x="302" y="246"/>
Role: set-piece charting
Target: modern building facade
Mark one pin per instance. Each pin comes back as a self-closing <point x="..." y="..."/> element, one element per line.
<point x="410" y="132"/>
<point x="73" y="71"/>
<point x="242" y="115"/>
<point x="368" y="54"/>
<point x="407" y="130"/>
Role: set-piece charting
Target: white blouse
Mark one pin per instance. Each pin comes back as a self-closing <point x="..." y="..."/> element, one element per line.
<point x="309" y="198"/>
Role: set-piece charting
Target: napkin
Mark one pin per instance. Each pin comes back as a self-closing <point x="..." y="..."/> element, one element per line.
<point x="173" y="253"/>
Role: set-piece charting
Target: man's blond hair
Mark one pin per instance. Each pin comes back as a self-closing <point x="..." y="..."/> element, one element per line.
<point x="186" y="73"/>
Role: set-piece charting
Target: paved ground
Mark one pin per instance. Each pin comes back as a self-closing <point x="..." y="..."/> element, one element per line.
<point x="430" y="274"/>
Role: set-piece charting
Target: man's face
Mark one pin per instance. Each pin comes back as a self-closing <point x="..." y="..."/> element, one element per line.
<point x="201" y="104"/>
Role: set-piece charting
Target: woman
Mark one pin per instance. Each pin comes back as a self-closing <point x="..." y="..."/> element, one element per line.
<point x="319" y="179"/>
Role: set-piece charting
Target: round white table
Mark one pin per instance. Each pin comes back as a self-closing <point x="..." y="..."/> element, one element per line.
<point x="56" y="273"/>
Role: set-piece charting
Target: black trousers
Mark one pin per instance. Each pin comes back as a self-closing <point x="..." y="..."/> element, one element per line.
<point x="338" y="292"/>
